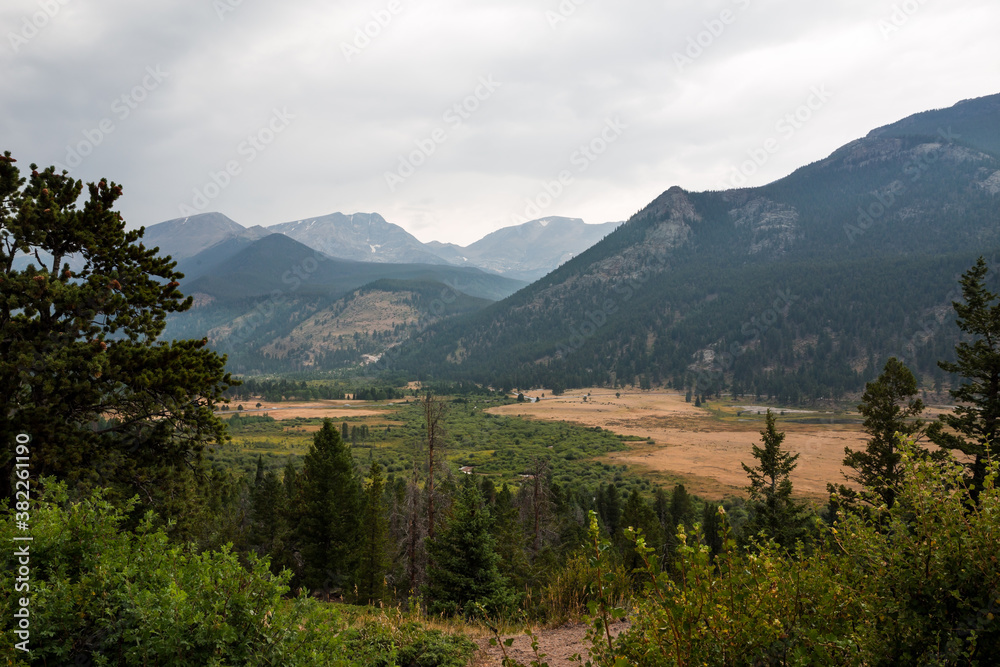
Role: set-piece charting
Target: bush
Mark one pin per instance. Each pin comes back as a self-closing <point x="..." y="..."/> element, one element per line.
<point x="915" y="584"/>
<point x="103" y="596"/>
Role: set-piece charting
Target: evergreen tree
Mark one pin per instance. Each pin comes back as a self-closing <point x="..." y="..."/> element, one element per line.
<point x="414" y="534"/>
<point x="267" y="524"/>
<point x="464" y="568"/>
<point x="711" y="527"/>
<point x="888" y="405"/>
<point x="488" y="490"/>
<point x="508" y="534"/>
<point x="375" y="539"/>
<point x="329" y="530"/>
<point x="81" y="370"/>
<point x="681" y="508"/>
<point x="610" y="509"/>
<point x="774" y="512"/>
<point x="668" y="527"/>
<point x="976" y="419"/>
<point x="639" y="515"/>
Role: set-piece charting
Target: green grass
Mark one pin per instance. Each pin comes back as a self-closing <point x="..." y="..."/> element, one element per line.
<point x="500" y="447"/>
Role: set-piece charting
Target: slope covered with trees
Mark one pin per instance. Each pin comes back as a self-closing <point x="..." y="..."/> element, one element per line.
<point x="797" y="290"/>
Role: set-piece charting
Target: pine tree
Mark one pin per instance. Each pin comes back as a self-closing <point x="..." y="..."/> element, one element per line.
<point x="610" y="510"/>
<point x="79" y="343"/>
<point x="774" y="512"/>
<point x="681" y="508"/>
<point x="434" y="412"/>
<point x="711" y="527"/>
<point x="329" y="526"/>
<point x="267" y="525"/>
<point x="888" y="406"/>
<point x="638" y="514"/>
<point x="508" y="534"/>
<point x="464" y="567"/>
<point x="375" y="540"/>
<point x="976" y="419"/>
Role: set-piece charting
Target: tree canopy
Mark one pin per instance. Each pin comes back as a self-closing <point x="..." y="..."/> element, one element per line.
<point x="975" y="422"/>
<point x="775" y="513"/>
<point x="888" y="406"/>
<point x="82" y="302"/>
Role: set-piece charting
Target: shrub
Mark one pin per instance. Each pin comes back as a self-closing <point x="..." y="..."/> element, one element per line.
<point x="918" y="583"/>
<point x="104" y="596"/>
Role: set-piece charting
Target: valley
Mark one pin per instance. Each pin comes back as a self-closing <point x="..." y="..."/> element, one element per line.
<point x="641" y="424"/>
<point x="701" y="447"/>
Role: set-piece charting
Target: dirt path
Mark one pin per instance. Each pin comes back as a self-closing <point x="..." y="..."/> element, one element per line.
<point x="558" y="645"/>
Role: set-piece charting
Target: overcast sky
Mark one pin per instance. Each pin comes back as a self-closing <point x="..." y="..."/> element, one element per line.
<point x="453" y="119"/>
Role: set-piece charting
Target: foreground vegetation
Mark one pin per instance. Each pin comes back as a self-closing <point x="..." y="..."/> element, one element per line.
<point x="102" y="595"/>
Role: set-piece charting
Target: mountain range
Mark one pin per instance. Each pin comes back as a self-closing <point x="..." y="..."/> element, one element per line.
<point x="798" y="289"/>
<point x="523" y="252"/>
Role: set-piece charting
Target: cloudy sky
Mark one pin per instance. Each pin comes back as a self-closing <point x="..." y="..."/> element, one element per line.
<point x="453" y="119"/>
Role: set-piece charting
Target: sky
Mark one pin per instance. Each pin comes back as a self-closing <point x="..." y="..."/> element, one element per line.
<point x="454" y="119"/>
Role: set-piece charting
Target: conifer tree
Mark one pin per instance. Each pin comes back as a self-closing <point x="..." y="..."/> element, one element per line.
<point x="638" y="514"/>
<point x="508" y="534"/>
<point x="81" y="369"/>
<point x="375" y="539"/>
<point x="975" y="422"/>
<point x="774" y="512"/>
<point x="610" y="509"/>
<point x="681" y="508"/>
<point x="329" y="515"/>
<point x="267" y="525"/>
<point x="711" y="527"/>
<point x="464" y="567"/>
<point x="888" y="406"/>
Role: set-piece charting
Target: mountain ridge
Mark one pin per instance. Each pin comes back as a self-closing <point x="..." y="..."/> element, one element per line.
<point x="671" y="291"/>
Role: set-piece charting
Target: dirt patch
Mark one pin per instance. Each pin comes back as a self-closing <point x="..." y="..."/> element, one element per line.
<point x="692" y="445"/>
<point x="558" y="645"/>
<point x="311" y="410"/>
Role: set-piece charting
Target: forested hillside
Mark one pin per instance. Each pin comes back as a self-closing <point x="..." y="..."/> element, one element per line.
<point x="799" y="289"/>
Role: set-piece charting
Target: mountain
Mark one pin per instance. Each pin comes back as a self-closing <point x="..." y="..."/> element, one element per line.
<point x="527" y="251"/>
<point x="275" y="304"/>
<point x="798" y="289"/>
<point x="182" y="238"/>
<point x="277" y="263"/>
<point x="363" y="237"/>
<point x="522" y="252"/>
